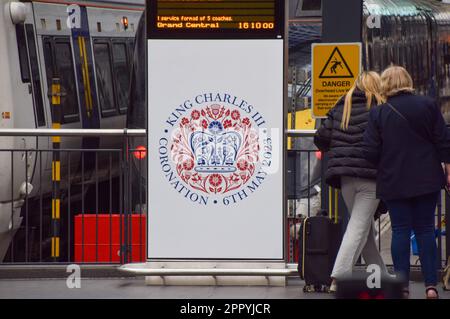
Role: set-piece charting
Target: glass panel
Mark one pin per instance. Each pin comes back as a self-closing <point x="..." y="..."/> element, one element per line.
<point x="104" y="76"/>
<point x="36" y="79"/>
<point x="137" y="111"/>
<point x="48" y="57"/>
<point x="64" y="65"/>
<point x="121" y="74"/>
<point x="23" y="55"/>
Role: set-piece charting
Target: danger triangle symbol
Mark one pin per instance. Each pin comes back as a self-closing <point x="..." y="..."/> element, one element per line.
<point x="336" y="67"/>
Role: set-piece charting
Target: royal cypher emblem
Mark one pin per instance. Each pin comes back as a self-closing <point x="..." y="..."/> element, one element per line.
<point x="215" y="149"/>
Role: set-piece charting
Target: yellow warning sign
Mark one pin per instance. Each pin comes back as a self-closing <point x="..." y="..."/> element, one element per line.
<point x="335" y="67"/>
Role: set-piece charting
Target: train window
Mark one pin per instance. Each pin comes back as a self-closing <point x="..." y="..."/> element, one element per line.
<point x="104" y="78"/>
<point x="376" y="55"/>
<point x="414" y="66"/>
<point x="137" y="110"/>
<point x="395" y="55"/>
<point x="23" y="55"/>
<point x="423" y="49"/>
<point x="407" y="62"/>
<point x="384" y="56"/>
<point x="419" y="69"/>
<point x="130" y="51"/>
<point x="401" y="54"/>
<point x="121" y="74"/>
<point x="48" y="58"/>
<point x="64" y="63"/>
<point x="36" y="79"/>
<point x="369" y="57"/>
<point x="59" y="62"/>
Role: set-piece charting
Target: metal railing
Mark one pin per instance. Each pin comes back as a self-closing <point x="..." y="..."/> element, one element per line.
<point x="88" y="206"/>
<point x="18" y="132"/>
<point x="102" y="213"/>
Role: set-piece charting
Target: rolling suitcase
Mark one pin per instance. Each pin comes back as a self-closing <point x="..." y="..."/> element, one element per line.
<point x="319" y="241"/>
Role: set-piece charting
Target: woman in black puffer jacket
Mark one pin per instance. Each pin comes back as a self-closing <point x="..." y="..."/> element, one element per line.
<point x="341" y="135"/>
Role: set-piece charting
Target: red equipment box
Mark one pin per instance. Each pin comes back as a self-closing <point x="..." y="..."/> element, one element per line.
<point x="108" y="238"/>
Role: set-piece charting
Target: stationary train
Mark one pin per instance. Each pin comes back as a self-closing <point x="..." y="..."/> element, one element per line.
<point x="414" y="34"/>
<point x="88" y="45"/>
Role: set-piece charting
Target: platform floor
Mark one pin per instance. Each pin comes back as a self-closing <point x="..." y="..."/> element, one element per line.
<point x="124" y="288"/>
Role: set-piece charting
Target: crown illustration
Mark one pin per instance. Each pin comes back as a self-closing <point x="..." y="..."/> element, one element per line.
<point x="215" y="151"/>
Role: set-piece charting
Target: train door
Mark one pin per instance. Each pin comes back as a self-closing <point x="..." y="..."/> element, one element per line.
<point x="112" y="36"/>
<point x="112" y="33"/>
<point x="57" y="61"/>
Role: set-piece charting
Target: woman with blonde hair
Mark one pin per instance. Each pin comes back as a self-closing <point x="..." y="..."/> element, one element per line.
<point x="341" y="135"/>
<point x="407" y="139"/>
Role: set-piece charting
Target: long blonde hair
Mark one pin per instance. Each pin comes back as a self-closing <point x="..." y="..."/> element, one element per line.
<point x="368" y="82"/>
<point x="396" y="79"/>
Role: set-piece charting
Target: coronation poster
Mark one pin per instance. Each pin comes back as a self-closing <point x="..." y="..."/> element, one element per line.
<point x="215" y="145"/>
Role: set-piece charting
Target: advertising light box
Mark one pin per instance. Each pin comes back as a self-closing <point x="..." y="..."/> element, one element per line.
<point x="215" y="118"/>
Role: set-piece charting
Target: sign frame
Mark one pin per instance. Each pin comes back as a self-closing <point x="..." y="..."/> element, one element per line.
<point x="282" y="140"/>
<point x="355" y="74"/>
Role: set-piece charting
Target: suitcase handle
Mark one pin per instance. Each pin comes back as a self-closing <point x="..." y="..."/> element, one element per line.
<point x="333" y="191"/>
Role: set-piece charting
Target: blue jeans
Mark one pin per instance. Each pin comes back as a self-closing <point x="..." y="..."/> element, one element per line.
<point x="416" y="214"/>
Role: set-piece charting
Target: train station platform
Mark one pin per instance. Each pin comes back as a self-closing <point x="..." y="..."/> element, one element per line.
<point x="131" y="288"/>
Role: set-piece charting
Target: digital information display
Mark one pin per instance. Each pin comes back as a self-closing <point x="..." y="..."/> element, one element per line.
<point x="215" y="18"/>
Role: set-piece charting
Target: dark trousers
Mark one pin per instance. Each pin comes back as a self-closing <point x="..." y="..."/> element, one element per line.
<point x="415" y="214"/>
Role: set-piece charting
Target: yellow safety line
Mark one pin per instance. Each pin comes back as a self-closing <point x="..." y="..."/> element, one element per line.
<point x="56" y="139"/>
<point x="56" y="171"/>
<point x="55" y="208"/>
<point x="56" y="98"/>
<point x="85" y="72"/>
<point x="56" y="167"/>
<point x="55" y="246"/>
<point x="87" y="76"/>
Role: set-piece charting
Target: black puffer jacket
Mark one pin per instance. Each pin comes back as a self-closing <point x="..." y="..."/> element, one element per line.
<point x="345" y="152"/>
